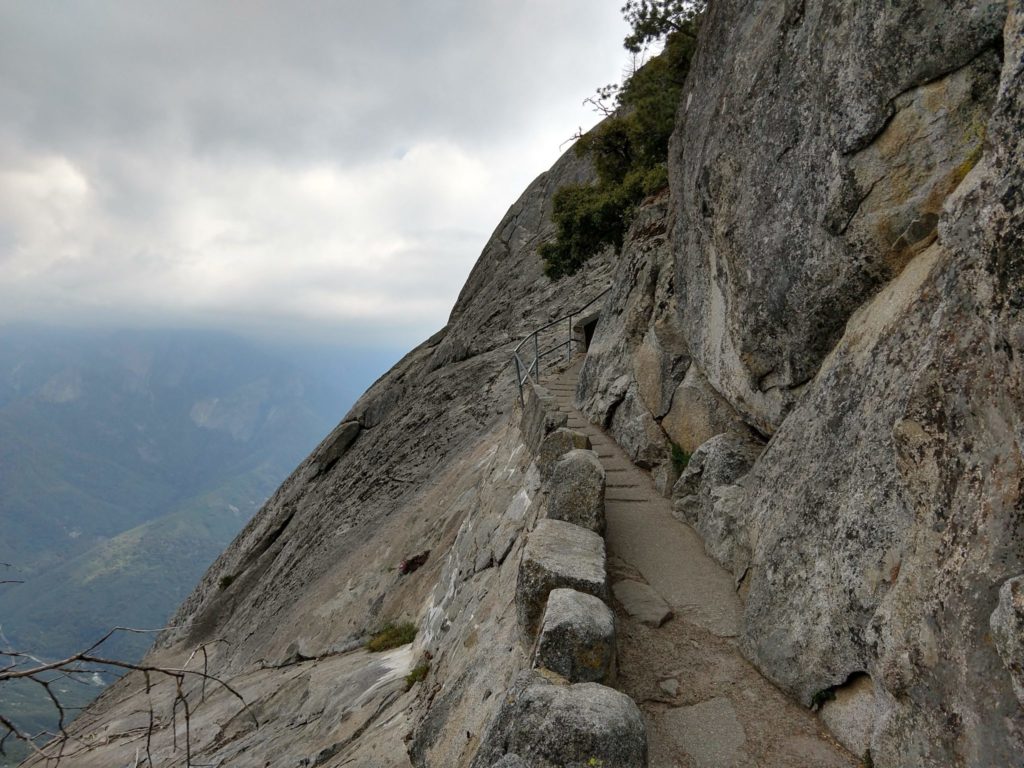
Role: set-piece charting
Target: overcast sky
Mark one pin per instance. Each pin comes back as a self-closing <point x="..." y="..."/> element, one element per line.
<point x="322" y="170"/>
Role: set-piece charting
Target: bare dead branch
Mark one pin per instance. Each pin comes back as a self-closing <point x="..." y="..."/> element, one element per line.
<point x="89" y="662"/>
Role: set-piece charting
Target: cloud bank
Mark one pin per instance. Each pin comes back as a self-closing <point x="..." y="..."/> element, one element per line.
<point x="310" y="170"/>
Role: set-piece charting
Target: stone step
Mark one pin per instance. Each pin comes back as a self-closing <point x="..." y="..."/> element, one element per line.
<point x="622" y="506"/>
<point x="617" y="465"/>
<point x="627" y="495"/>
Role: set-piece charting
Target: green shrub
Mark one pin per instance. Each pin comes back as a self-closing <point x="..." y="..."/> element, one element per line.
<point x="419" y="673"/>
<point x="680" y="458"/>
<point x="629" y="148"/>
<point x="227" y="580"/>
<point x="822" y="697"/>
<point x="391" y="636"/>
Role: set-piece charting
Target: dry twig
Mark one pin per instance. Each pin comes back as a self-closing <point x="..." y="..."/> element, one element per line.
<point x="52" y="748"/>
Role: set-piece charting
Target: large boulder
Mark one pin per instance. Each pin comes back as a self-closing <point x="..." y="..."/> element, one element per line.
<point x="698" y="413"/>
<point x="555" y="445"/>
<point x="577" y="637"/>
<point x="709" y="497"/>
<point x="552" y="724"/>
<point x="576" y="490"/>
<point x="722" y="460"/>
<point x="558" y="554"/>
<point x="635" y="429"/>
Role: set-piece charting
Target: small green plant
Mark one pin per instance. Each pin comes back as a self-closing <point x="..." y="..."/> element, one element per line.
<point x="418" y="674"/>
<point x="680" y="458"/>
<point x="227" y="580"/>
<point x="391" y="636"/>
<point x="819" y="699"/>
<point x="595" y="762"/>
<point x="867" y="761"/>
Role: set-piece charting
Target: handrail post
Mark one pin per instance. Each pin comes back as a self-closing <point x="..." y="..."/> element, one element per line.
<point x="568" y="346"/>
<point x="519" y="377"/>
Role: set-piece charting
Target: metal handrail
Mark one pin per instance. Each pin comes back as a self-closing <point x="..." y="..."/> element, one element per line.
<point x="523" y="371"/>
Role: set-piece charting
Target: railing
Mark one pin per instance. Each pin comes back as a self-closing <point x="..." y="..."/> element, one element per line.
<point x="524" y="371"/>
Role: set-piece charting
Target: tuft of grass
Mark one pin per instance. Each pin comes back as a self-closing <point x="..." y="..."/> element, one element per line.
<point x="867" y="761"/>
<point x="680" y="458"/>
<point x="391" y="636"/>
<point x="418" y="674"/>
<point x="227" y="580"/>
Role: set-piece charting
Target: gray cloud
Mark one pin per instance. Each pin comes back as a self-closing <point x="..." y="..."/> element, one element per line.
<point x="312" y="169"/>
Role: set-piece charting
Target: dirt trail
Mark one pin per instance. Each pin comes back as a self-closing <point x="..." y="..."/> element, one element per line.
<point x="705" y="705"/>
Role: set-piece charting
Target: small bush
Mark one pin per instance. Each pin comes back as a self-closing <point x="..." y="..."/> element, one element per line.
<point x="418" y="674"/>
<point x="391" y="636"/>
<point x="680" y="458"/>
<point x="821" y="697"/>
<point x="227" y="580"/>
<point x="630" y="148"/>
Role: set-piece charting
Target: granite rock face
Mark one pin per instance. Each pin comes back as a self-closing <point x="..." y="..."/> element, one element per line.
<point x="815" y="146"/>
<point x="698" y="413"/>
<point x="334" y="446"/>
<point x="638" y="355"/>
<point x="842" y="278"/>
<point x="849" y="268"/>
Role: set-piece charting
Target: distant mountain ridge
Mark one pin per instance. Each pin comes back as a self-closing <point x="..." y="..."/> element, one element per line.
<point x="129" y="460"/>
